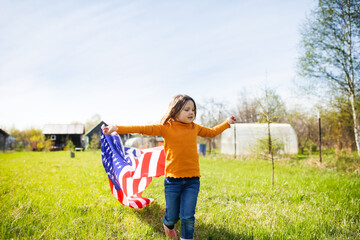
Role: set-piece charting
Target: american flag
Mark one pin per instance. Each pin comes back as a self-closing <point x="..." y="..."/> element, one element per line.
<point x="130" y="170"/>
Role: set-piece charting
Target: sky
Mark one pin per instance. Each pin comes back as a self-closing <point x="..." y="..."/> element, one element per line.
<point x="66" y="61"/>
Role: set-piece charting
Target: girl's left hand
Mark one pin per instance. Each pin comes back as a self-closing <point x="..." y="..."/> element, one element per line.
<point x="231" y="120"/>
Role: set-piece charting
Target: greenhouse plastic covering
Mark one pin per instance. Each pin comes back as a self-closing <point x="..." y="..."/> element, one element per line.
<point x="249" y="135"/>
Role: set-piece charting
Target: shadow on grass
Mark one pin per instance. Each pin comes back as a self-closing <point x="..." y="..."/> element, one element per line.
<point x="154" y="213"/>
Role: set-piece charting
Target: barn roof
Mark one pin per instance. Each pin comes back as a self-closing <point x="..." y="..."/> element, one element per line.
<point x="64" y="129"/>
<point x="4" y="133"/>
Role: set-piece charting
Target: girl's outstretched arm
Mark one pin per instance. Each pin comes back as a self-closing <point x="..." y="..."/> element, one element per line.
<point x="107" y="130"/>
<point x="213" y="132"/>
<point x="150" y="130"/>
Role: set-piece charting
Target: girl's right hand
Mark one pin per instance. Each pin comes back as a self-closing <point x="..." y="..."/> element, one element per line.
<point x="107" y="130"/>
<point x="231" y="119"/>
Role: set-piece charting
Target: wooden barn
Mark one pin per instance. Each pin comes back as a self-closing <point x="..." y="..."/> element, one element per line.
<point x="60" y="134"/>
<point x="3" y="136"/>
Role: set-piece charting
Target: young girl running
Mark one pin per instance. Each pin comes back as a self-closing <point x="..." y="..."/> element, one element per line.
<point x="182" y="170"/>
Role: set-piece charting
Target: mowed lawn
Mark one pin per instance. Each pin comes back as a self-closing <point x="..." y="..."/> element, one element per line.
<point x="48" y="195"/>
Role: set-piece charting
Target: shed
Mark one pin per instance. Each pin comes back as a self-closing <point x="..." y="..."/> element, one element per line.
<point x="60" y="134"/>
<point x="3" y="136"/>
<point x="249" y="135"/>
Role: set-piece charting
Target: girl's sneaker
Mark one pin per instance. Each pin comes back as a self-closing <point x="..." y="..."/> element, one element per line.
<point x="170" y="233"/>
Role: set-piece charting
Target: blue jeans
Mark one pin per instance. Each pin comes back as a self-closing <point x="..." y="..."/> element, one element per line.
<point x="181" y="196"/>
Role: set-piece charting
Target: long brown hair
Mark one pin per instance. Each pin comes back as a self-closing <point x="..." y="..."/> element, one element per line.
<point x="175" y="106"/>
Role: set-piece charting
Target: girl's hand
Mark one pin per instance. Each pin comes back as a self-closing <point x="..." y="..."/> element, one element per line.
<point x="231" y="120"/>
<point x="107" y="130"/>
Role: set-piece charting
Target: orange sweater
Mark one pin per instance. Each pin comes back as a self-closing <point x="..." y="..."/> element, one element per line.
<point x="180" y="145"/>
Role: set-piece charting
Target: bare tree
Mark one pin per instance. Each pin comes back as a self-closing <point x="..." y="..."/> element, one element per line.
<point x="271" y="107"/>
<point x="246" y="109"/>
<point x="211" y="113"/>
<point x="304" y="126"/>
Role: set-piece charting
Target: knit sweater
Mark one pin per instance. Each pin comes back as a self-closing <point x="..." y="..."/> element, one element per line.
<point x="180" y="144"/>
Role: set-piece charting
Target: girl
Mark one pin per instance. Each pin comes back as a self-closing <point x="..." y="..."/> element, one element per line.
<point x="182" y="170"/>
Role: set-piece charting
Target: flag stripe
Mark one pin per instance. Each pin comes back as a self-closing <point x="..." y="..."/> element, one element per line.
<point x="146" y="162"/>
<point x="160" y="167"/>
<point x="138" y="164"/>
<point x="153" y="163"/>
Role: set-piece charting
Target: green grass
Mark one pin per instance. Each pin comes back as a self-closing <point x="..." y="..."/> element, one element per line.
<point x="52" y="196"/>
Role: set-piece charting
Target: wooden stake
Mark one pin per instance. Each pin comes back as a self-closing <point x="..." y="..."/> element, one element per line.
<point x="320" y="158"/>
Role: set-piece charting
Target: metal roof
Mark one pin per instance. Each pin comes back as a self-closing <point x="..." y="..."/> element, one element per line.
<point x="64" y="129"/>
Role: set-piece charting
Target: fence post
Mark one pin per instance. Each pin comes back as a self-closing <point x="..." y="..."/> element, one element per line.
<point x="234" y="141"/>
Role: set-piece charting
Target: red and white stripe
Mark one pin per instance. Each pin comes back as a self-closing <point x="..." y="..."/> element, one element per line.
<point x="135" y="179"/>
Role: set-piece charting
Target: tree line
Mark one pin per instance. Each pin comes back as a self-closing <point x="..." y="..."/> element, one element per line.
<point x="336" y="120"/>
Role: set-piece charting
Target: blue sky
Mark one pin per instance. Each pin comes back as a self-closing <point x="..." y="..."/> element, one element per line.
<point x="64" y="61"/>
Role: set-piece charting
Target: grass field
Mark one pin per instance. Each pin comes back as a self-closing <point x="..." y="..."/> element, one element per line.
<point x="48" y="195"/>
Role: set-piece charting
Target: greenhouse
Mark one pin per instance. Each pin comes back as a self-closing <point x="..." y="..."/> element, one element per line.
<point x="250" y="138"/>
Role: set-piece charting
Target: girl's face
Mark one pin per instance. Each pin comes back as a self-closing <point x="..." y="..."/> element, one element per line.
<point x="187" y="113"/>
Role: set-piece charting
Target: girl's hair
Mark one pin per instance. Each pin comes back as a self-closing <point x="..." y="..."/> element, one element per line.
<point x="175" y="106"/>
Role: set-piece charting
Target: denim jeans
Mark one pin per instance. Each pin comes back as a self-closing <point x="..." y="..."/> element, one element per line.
<point x="181" y="196"/>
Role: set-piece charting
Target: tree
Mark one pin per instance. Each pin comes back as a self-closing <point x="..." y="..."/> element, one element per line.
<point x="47" y="145"/>
<point x="246" y="109"/>
<point x="304" y="126"/>
<point x="95" y="142"/>
<point x="272" y="108"/>
<point x="210" y="114"/>
<point x="29" y="139"/>
<point x="331" y="44"/>
<point x="37" y="139"/>
<point x="338" y="124"/>
<point x="70" y="146"/>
